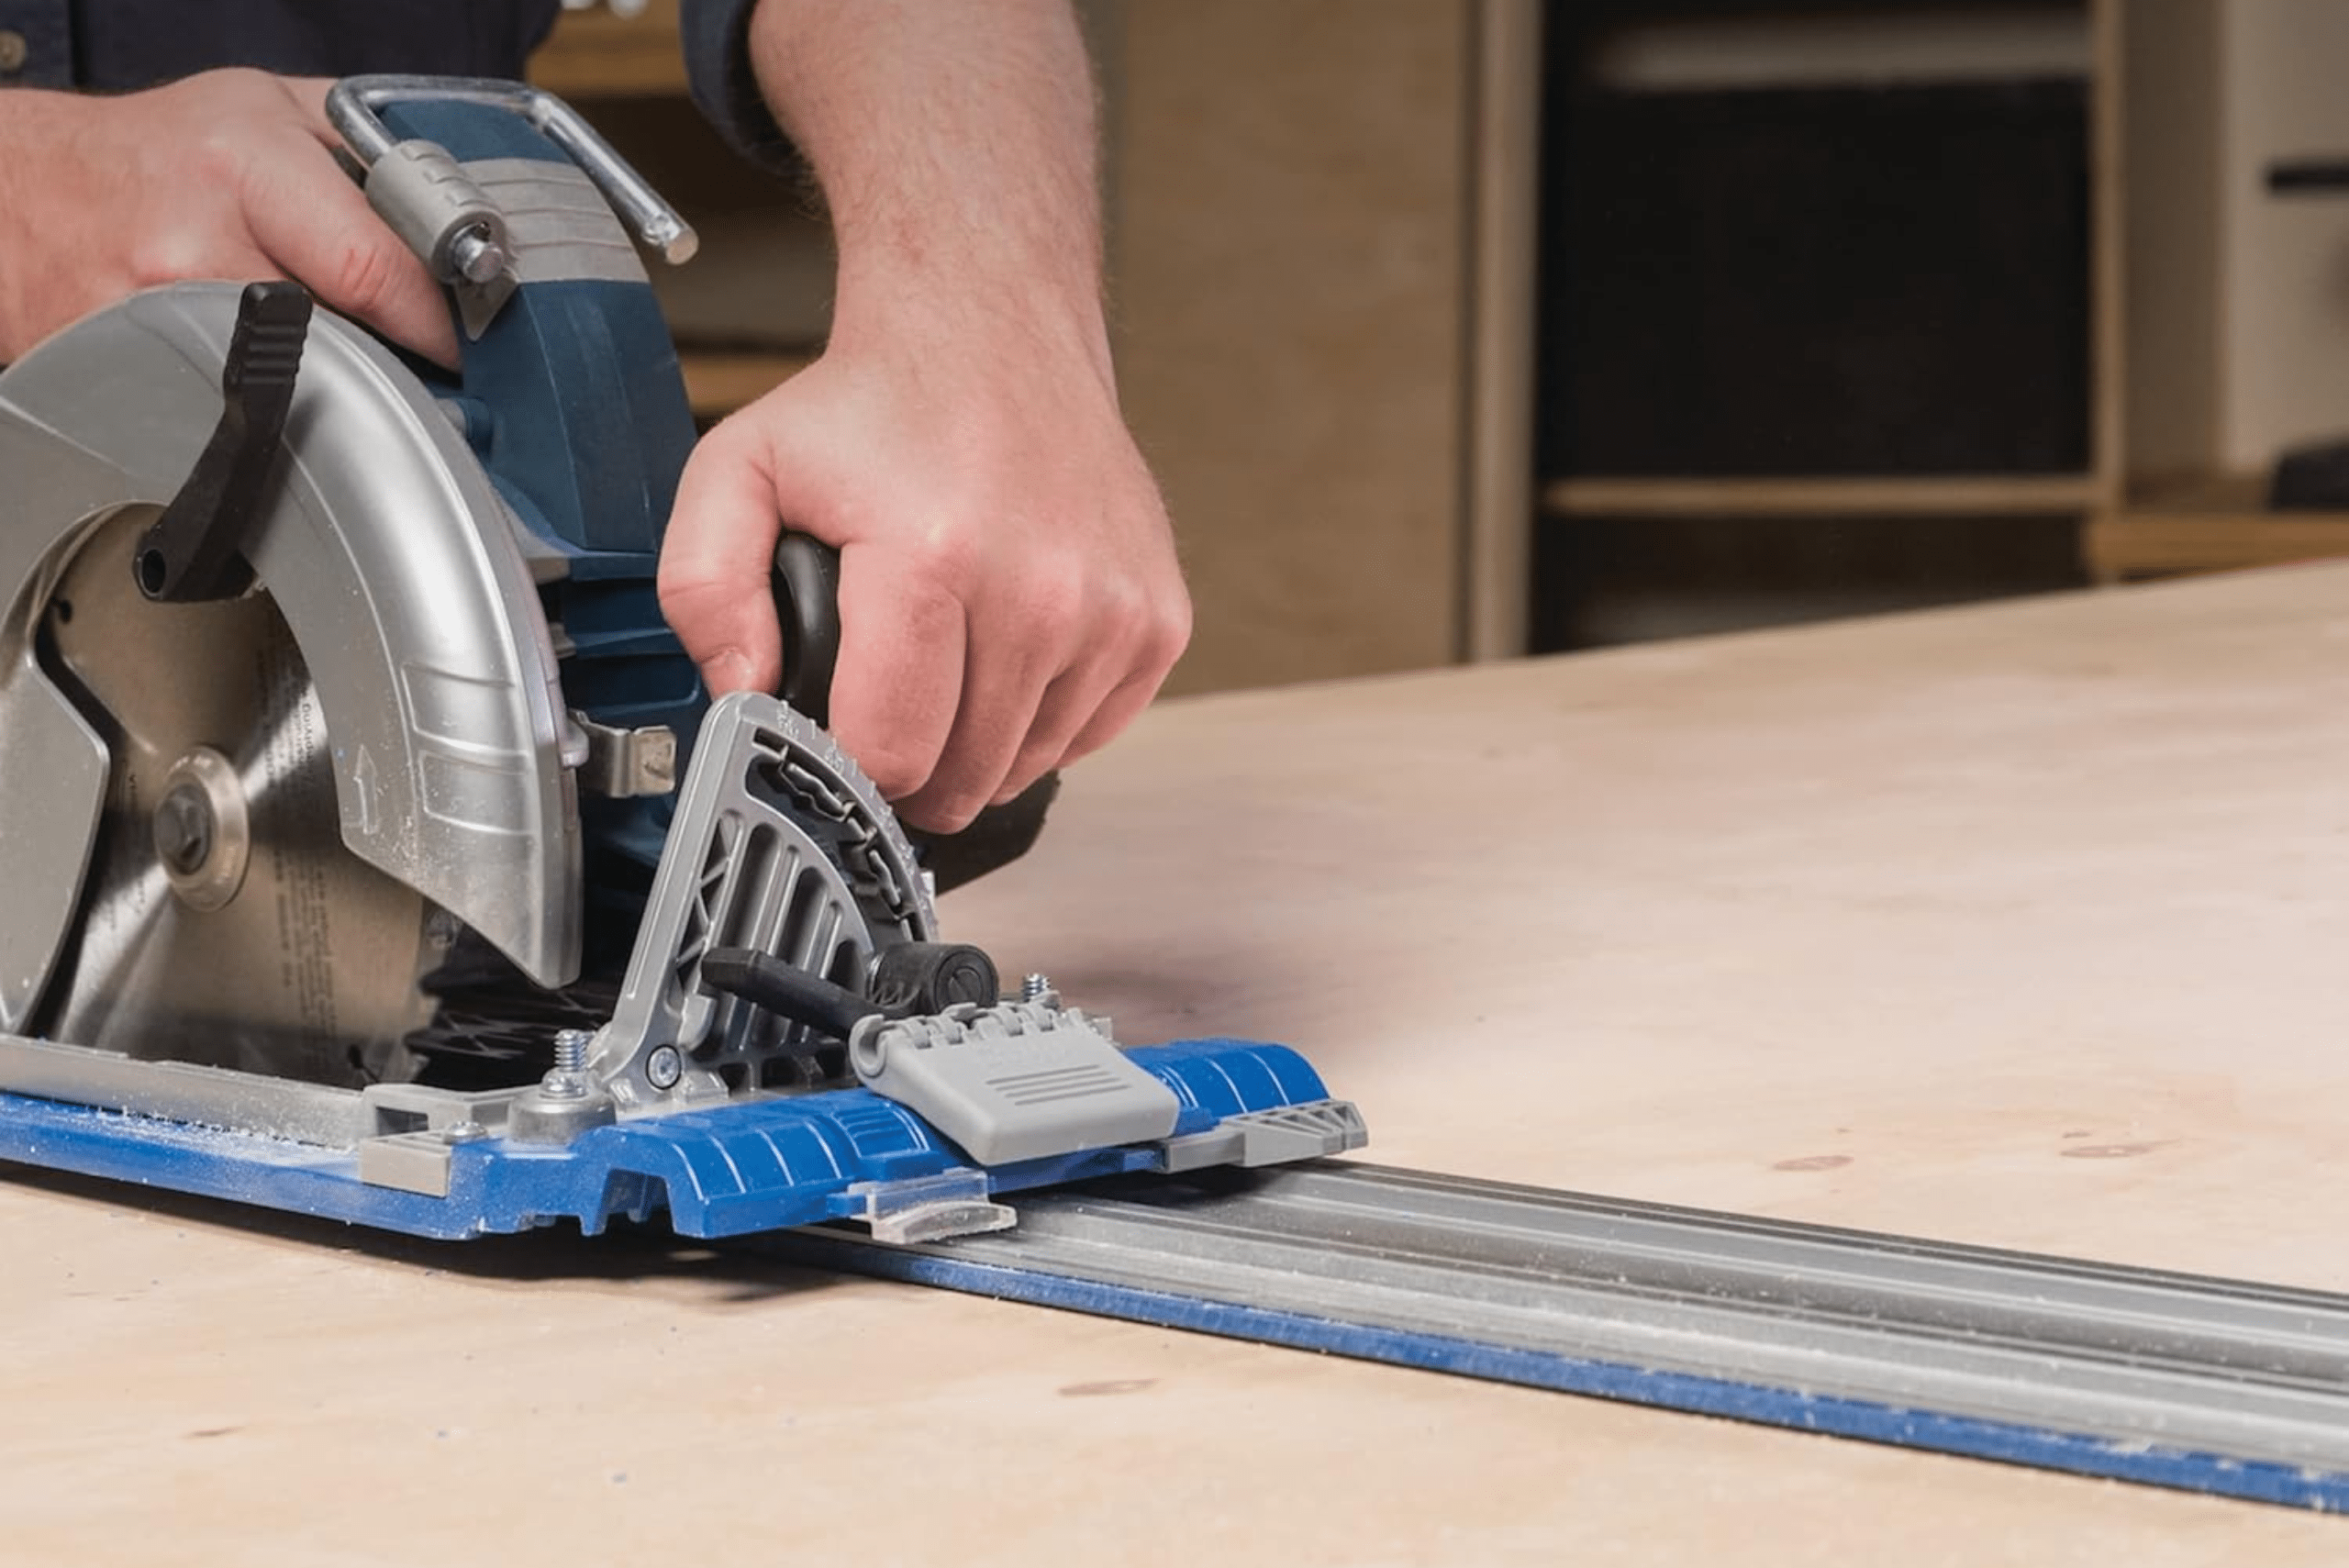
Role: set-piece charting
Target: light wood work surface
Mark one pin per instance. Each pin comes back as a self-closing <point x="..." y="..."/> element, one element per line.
<point x="2018" y="925"/>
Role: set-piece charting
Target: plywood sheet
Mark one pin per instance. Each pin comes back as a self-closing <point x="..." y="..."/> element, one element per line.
<point x="2017" y="925"/>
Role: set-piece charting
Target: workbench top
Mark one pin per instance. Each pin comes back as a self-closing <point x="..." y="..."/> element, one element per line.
<point x="2020" y="925"/>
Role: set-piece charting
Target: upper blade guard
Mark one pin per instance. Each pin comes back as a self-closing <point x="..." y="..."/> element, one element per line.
<point x="397" y="568"/>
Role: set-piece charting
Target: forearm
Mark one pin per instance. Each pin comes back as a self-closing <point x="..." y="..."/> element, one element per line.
<point x="1009" y="594"/>
<point x="956" y="146"/>
<point x="40" y="167"/>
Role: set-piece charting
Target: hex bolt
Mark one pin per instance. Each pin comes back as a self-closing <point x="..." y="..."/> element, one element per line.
<point x="184" y="828"/>
<point x="567" y="1080"/>
<point x="477" y="257"/>
<point x="570" y="1049"/>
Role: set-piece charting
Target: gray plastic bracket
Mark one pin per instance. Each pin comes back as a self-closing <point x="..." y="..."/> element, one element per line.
<point x="415" y="1161"/>
<point x="743" y="866"/>
<point x="1018" y="1081"/>
<point x="1274" y="1137"/>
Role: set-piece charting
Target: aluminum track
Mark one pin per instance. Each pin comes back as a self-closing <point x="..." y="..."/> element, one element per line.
<point x="2207" y="1384"/>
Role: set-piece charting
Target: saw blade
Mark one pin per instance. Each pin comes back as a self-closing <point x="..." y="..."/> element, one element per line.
<point x="223" y="921"/>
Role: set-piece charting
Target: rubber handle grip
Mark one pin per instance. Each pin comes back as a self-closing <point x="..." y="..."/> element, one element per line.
<point x="807" y="607"/>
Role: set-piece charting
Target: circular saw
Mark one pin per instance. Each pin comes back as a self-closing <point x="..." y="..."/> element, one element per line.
<point x="358" y="808"/>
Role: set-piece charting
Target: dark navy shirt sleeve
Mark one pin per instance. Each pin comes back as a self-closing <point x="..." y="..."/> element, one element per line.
<point x="124" y="45"/>
<point x="36" y="43"/>
<point x="717" y="37"/>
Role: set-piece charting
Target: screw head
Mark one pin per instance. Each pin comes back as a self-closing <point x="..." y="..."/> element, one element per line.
<point x="476" y="255"/>
<point x="664" y="1067"/>
<point x="184" y="828"/>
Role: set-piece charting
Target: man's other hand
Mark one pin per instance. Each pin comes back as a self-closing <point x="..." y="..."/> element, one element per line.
<point x="229" y="174"/>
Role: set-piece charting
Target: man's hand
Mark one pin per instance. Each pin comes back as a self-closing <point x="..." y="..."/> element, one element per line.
<point x="1009" y="594"/>
<point x="228" y="174"/>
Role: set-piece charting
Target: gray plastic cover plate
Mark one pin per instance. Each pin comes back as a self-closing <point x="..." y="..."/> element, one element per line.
<point x="1019" y="1081"/>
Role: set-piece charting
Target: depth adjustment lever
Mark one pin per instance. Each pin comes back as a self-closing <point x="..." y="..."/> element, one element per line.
<point x="195" y="551"/>
<point x="909" y="980"/>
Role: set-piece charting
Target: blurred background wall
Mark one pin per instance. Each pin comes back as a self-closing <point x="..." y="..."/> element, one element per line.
<point x="1465" y="327"/>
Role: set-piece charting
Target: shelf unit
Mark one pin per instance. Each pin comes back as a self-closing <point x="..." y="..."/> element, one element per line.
<point x="1731" y="379"/>
<point x="2218" y="329"/>
<point x="1964" y="495"/>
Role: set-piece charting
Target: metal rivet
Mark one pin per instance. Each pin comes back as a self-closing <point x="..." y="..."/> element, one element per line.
<point x="14" y="52"/>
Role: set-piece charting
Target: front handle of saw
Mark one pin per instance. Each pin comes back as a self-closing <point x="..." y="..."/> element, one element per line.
<point x="807" y="584"/>
<point x="807" y="609"/>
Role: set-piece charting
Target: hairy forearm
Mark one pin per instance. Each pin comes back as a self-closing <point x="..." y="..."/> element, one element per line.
<point x="956" y="146"/>
<point x="1009" y="594"/>
<point x="36" y="130"/>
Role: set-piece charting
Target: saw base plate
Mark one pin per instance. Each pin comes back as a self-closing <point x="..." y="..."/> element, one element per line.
<point x="738" y="1168"/>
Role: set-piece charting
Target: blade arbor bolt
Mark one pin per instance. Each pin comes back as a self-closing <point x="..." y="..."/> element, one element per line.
<point x="200" y="831"/>
<point x="184" y="828"/>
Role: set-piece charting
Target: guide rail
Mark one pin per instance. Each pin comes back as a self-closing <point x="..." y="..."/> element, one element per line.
<point x="2179" y="1379"/>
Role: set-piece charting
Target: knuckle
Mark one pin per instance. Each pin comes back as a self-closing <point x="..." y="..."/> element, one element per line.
<point x="217" y="157"/>
<point x="1170" y="633"/>
<point x="952" y="811"/>
<point x="170" y="253"/>
<point x="896" y="771"/>
<point x="1057" y="593"/>
<point x="943" y="561"/>
<point x="1142" y="626"/>
<point x="366" y="276"/>
<point x="684" y="594"/>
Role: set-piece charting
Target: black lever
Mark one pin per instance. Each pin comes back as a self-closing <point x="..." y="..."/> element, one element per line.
<point x="195" y="551"/>
<point x="807" y="605"/>
<point x="908" y="980"/>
